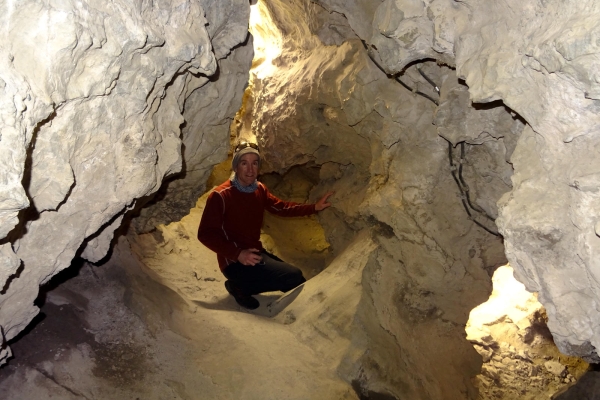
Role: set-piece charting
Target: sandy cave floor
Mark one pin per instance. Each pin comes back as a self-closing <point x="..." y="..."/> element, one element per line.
<point x="160" y="325"/>
<point x="90" y="343"/>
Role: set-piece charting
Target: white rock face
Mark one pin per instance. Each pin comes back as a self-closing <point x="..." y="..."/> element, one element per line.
<point x="549" y="218"/>
<point x="540" y="58"/>
<point x="93" y="99"/>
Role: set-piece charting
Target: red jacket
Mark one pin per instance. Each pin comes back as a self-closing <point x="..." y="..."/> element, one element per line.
<point x="232" y="219"/>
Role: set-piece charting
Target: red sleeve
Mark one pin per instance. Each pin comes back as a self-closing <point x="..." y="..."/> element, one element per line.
<point x="287" y="208"/>
<point x="211" y="232"/>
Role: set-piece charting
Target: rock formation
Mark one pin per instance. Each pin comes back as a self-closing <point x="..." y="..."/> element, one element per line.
<point x="511" y="334"/>
<point x="516" y="93"/>
<point x="332" y="108"/>
<point x="93" y="102"/>
<point x="440" y="124"/>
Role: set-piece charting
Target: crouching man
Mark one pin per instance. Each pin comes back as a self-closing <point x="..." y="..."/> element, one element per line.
<point x="231" y="224"/>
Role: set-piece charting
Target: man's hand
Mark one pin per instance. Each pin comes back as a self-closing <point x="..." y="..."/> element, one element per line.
<point x="322" y="203"/>
<point x="250" y="257"/>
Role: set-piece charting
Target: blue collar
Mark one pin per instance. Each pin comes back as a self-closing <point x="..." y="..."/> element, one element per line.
<point x="244" y="189"/>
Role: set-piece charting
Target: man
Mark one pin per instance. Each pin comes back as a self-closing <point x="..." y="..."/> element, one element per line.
<point x="231" y="224"/>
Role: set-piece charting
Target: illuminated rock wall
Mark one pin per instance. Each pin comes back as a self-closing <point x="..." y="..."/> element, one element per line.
<point x="375" y="144"/>
<point x="97" y="99"/>
<point x="538" y="58"/>
<point x="517" y="88"/>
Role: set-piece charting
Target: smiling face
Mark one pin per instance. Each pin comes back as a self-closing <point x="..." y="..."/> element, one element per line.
<point x="247" y="169"/>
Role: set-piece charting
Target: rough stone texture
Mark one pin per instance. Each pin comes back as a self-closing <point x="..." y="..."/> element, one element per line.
<point x="92" y="100"/>
<point x="208" y="113"/>
<point x="549" y="218"/>
<point x="92" y="109"/>
<point x="375" y="144"/>
<point x="540" y="59"/>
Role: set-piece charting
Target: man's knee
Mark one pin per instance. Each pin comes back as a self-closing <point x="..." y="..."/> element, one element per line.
<point x="293" y="279"/>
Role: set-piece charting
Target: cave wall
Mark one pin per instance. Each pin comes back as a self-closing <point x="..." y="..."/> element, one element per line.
<point x="517" y="88"/>
<point x="539" y="58"/>
<point x="94" y="97"/>
<point x="378" y="149"/>
<point x="102" y="101"/>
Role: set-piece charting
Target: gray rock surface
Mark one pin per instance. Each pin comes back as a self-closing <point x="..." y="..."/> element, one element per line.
<point x="93" y="100"/>
<point x="97" y="99"/>
<point x="548" y="219"/>
<point x="539" y="58"/>
<point x="521" y="99"/>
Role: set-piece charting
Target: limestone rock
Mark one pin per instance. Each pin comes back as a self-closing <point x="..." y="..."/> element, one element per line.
<point x="517" y="365"/>
<point x="546" y="218"/>
<point x="332" y="28"/>
<point x="98" y="246"/>
<point x="92" y="105"/>
<point x="376" y="146"/>
<point x="208" y="112"/>
<point x="539" y="59"/>
<point x="92" y="99"/>
<point x="358" y="13"/>
<point x="402" y="33"/>
<point x="555" y="368"/>
<point x="458" y="121"/>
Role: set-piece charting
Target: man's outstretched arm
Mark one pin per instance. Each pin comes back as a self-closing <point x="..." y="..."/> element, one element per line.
<point x="290" y="209"/>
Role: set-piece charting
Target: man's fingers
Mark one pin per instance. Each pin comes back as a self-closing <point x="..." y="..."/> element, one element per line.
<point x="251" y="257"/>
<point x="323" y="203"/>
<point x="325" y="198"/>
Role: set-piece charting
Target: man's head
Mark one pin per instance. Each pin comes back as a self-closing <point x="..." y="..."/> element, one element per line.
<point x="245" y="163"/>
<point x="241" y="149"/>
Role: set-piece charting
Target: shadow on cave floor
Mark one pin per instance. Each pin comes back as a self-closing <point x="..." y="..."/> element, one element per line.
<point x="60" y="347"/>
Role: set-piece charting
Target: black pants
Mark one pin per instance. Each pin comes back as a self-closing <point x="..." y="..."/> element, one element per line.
<point x="270" y="275"/>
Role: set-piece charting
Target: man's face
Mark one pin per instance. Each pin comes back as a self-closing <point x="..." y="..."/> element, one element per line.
<point x="247" y="169"/>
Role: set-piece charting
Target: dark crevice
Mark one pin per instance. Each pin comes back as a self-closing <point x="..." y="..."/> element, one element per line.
<point x="30" y="327"/>
<point x="30" y="213"/>
<point x="397" y="75"/>
<point x="463" y="187"/>
<point x="63" y="276"/>
<point x="4" y="343"/>
<point x="11" y="278"/>
<point x="367" y="394"/>
<point x="432" y="83"/>
<point x="488" y="106"/>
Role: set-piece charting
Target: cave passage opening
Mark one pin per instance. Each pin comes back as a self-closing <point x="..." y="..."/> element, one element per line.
<point x="520" y="358"/>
